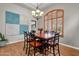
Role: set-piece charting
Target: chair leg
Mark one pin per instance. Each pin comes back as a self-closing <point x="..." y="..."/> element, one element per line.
<point x="24" y="45"/>
<point x="54" y="50"/>
<point x="29" y="51"/>
<point x="45" y="51"/>
<point x="50" y="49"/>
<point x="26" y="50"/>
<point x="58" y="50"/>
<point x="34" y="51"/>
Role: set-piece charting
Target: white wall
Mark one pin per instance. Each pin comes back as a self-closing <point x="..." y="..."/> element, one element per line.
<point x="16" y="9"/>
<point x="71" y="23"/>
<point x="39" y="23"/>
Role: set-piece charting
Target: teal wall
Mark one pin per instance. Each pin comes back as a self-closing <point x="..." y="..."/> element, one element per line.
<point x="12" y="18"/>
<point x="23" y="28"/>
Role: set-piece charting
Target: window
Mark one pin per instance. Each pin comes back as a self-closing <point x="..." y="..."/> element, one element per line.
<point x="54" y="21"/>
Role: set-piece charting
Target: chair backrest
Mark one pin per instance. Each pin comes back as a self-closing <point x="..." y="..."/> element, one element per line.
<point x="45" y="31"/>
<point x="31" y="35"/>
<point x="52" y="32"/>
<point x="56" y="38"/>
<point x="33" y="31"/>
<point x="26" y="36"/>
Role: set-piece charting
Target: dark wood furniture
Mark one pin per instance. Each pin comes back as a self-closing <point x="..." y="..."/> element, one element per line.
<point x="34" y="45"/>
<point x="40" y="29"/>
<point x="41" y="43"/>
<point x="52" y="42"/>
<point x="54" y="45"/>
<point x="45" y="38"/>
<point x="26" y="37"/>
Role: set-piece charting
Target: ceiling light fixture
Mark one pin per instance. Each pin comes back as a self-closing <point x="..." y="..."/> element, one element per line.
<point x="37" y="13"/>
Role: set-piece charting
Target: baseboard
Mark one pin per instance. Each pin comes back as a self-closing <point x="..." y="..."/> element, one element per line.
<point x="69" y="46"/>
<point x="59" y="43"/>
<point x="14" y="42"/>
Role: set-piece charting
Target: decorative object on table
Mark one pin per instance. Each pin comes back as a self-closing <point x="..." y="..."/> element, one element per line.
<point x="3" y="41"/>
<point x="40" y="29"/>
<point x="37" y="13"/>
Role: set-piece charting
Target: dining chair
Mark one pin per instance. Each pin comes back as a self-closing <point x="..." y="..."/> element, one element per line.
<point x="34" y="45"/>
<point x="53" y="44"/>
<point x="56" y="44"/>
<point x="26" y="37"/>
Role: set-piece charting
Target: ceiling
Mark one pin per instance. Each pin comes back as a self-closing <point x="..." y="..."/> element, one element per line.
<point x="32" y="6"/>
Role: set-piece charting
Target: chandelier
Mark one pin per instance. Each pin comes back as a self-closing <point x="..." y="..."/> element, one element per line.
<point x="37" y="13"/>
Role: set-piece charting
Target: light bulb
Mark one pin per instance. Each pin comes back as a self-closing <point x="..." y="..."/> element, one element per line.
<point x="41" y="13"/>
<point x="38" y="11"/>
<point x="33" y="12"/>
<point x="36" y="15"/>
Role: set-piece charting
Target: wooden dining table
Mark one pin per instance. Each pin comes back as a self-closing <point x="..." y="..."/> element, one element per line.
<point x="42" y="41"/>
<point x="44" y="38"/>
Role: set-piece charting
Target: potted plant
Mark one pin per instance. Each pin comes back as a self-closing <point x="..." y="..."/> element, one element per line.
<point x="3" y="41"/>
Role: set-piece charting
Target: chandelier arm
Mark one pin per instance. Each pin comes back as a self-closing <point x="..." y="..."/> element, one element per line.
<point x="37" y="13"/>
<point x="37" y="6"/>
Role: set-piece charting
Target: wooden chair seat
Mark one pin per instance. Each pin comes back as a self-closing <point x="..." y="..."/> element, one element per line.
<point x="35" y="44"/>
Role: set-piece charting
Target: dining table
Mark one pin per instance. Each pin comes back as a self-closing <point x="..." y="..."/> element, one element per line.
<point x="44" y="38"/>
<point x="42" y="41"/>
